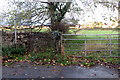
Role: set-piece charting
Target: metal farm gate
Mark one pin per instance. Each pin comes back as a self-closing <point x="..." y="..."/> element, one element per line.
<point x="103" y="45"/>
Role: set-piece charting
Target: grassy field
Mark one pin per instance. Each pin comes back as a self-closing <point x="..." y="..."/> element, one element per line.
<point x="97" y="32"/>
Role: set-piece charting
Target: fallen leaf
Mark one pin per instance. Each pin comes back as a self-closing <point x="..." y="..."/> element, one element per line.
<point x="14" y="73"/>
<point x="35" y="67"/>
<point x="62" y="77"/>
<point x="93" y="74"/>
<point x="43" y="77"/>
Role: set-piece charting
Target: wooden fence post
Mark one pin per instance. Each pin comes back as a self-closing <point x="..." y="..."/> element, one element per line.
<point x="60" y="43"/>
<point x="62" y="46"/>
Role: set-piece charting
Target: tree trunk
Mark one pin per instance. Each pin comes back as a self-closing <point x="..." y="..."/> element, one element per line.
<point x="56" y="13"/>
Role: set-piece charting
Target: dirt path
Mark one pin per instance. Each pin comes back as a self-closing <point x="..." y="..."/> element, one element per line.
<point x="26" y="70"/>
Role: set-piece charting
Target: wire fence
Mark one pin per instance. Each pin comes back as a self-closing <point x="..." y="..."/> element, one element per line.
<point x="104" y="45"/>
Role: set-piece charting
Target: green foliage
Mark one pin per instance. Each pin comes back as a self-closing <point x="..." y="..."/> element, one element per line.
<point x="41" y="56"/>
<point x="88" y="64"/>
<point x="50" y="58"/>
<point x="8" y="63"/>
<point x="113" y="60"/>
<point x="63" y="60"/>
<point x="13" y="50"/>
<point x="20" y="58"/>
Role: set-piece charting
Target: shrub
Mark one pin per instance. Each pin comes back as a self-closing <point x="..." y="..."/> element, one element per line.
<point x="62" y="27"/>
<point x="13" y="50"/>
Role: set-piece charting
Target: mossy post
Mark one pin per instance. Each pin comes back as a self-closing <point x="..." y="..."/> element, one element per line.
<point x="57" y="41"/>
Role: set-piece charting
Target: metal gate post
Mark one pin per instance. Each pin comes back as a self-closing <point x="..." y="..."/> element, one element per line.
<point x="15" y="30"/>
<point x="85" y="46"/>
<point x="110" y="45"/>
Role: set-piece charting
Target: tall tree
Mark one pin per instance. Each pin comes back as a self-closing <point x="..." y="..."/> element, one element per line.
<point x="57" y="11"/>
<point x="32" y="13"/>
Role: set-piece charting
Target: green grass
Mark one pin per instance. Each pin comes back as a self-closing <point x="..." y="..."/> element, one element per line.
<point x="95" y="31"/>
<point x="42" y="30"/>
<point x="28" y="30"/>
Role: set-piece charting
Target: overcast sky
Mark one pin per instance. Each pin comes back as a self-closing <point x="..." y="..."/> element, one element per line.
<point x="2" y="5"/>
